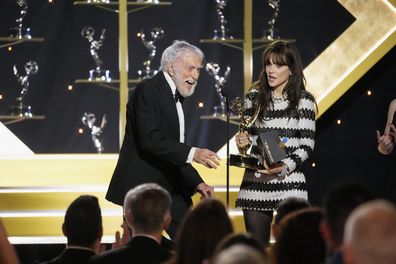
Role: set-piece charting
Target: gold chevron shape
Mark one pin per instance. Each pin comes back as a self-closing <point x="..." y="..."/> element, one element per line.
<point x="354" y="52"/>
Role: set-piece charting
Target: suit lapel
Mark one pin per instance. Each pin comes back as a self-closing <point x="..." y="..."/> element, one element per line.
<point x="167" y="99"/>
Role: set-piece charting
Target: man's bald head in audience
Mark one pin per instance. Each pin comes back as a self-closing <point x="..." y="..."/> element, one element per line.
<point x="370" y="234"/>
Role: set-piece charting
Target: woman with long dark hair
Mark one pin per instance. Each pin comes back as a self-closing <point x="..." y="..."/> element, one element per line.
<point x="201" y="230"/>
<point x="286" y="107"/>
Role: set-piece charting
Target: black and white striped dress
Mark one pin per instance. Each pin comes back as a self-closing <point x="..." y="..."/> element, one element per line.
<point x="263" y="192"/>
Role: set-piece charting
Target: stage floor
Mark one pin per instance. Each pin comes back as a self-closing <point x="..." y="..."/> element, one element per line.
<point x="35" y="191"/>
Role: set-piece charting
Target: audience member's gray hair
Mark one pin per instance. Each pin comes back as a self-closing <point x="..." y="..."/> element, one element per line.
<point x="178" y="47"/>
<point x="148" y="204"/>
<point x="370" y="232"/>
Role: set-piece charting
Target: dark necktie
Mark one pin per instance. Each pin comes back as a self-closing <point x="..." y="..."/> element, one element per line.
<point x="178" y="97"/>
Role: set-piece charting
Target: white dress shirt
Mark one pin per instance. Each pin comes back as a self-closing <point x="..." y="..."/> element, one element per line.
<point x="180" y="115"/>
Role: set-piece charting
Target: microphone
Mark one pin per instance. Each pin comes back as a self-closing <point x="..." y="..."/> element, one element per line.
<point x="225" y="91"/>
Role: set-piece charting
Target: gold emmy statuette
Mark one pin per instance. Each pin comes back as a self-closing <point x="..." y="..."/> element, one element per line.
<point x="244" y="160"/>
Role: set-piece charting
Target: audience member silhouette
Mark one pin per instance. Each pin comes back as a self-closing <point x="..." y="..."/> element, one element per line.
<point x="370" y="234"/>
<point x="121" y="239"/>
<point x="7" y="251"/>
<point x="340" y="201"/>
<point x="299" y="240"/>
<point x="232" y="239"/>
<point x="200" y="232"/>
<point x="285" y="207"/>
<point x="240" y="254"/>
<point x="147" y="212"/>
<point x="83" y="229"/>
<point x="239" y="238"/>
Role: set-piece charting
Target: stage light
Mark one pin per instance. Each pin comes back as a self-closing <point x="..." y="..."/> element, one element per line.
<point x="200" y="104"/>
<point x="1" y="96"/>
<point x="313" y="164"/>
<point x="369" y="92"/>
<point x="80" y="131"/>
<point x="9" y="48"/>
<point x="338" y="121"/>
<point x="70" y="87"/>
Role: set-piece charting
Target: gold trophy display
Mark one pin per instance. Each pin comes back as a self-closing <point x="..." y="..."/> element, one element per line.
<point x="244" y="160"/>
<point x="223" y="32"/>
<point x="272" y="33"/>
<point x="21" y="109"/>
<point x="88" y="119"/>
<point x="156" y="34"/>
<point x="97" y="74"/>
<point x="19" y="31"/>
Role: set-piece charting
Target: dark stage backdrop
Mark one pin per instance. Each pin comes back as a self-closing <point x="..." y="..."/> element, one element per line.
<point x="342" y="151"/>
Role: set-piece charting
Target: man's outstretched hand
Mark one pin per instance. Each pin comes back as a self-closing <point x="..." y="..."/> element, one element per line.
<point x="205" y="190"/>
<point x="207" y="158"/>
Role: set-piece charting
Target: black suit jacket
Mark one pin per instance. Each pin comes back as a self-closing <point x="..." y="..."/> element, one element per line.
<point x="151" y="151"/>
<point x="72" y="256"/>
<point x="139" y="250"/>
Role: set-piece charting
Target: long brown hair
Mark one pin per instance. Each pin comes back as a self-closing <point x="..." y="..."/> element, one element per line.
<point x="200" y="232"/>
<point x="282" y="53"/>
